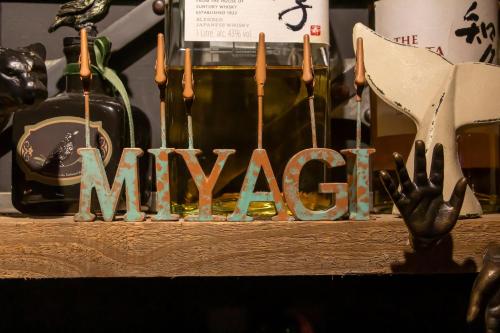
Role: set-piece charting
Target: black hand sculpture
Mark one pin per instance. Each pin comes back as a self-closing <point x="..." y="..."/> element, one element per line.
<point x="486" y="292"/>
<point x="23" y="79"/>
<point x="426" y="214"/>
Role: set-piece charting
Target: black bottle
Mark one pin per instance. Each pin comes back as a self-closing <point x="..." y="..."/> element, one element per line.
<point x="45" y="164"/>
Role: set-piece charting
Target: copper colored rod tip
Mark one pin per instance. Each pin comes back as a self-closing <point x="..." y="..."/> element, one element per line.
<point x="307" y="65"/>
<point x="360" y="71"/>
<point x="188" y="91"/>
<point x="85" y="72"/>
<point x="160" y="68"/>
<point x="260" y="66"/>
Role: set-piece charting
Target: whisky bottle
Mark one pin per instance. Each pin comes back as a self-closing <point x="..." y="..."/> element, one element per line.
<point x="479" y="155"/>
<point x="45" y="164"/>
<point x="222" y="36"/>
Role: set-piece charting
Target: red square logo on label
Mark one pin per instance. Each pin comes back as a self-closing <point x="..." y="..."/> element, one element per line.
<point x="315" y="30"/>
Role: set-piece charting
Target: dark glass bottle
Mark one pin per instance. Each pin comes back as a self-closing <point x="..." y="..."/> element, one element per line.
<point x="45" y="164"/>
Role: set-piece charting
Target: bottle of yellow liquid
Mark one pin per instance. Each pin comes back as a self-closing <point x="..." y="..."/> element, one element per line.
<point x="222" y="36"/>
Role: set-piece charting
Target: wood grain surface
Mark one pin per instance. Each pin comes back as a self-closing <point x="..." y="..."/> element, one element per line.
<point x="61" y="248"/>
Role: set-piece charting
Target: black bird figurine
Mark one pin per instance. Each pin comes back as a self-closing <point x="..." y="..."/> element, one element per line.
<point x="81" y="14"/>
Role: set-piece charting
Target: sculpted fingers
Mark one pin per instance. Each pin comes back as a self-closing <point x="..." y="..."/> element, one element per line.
<point x="487" y="282"/>
<point x="437" y="165"/>
<point x="457" y="197"/>
<point x="450" y="212"/>
<point x="406" y="184"/>
<point x="389" y="185"/>
<point x="420" y="169"/>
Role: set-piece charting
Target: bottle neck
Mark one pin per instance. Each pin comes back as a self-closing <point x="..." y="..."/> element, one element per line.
<point x="73" y="82"/>
<point x="97" y="85"/>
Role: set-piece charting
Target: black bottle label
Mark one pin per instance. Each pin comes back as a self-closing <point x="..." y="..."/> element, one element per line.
<point x="47" y="151"/>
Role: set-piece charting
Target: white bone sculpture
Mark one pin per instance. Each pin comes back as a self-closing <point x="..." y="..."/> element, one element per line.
<point x="439" y="96"/>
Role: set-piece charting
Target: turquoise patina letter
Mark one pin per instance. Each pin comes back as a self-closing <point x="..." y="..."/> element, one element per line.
<point x="259" y="161"/>
<point x="358" y="177"/>
<point x="291" y="179"/>
<point x="163" y="209"/>
<point x="204" y="184"/>
<point x="94" y="176"/>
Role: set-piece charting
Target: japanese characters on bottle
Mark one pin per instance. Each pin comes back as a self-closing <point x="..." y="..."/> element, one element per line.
<point x="480" y="32"/>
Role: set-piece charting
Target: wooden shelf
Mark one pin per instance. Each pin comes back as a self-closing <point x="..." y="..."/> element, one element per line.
<point x="61" y="248"/>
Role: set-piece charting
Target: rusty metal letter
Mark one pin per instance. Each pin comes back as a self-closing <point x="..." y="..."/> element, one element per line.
<point x="291" y="185"/>
<point x="94" y="176"/>
<point x="164" y="212"/>
<point x="259" y="161"/>
<point x="358" y="178"/>
<point x="205" y="185"/>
